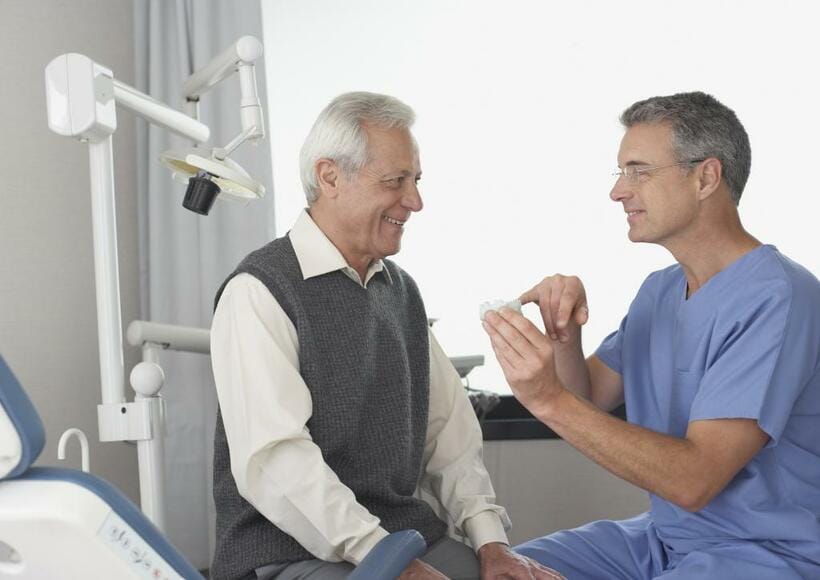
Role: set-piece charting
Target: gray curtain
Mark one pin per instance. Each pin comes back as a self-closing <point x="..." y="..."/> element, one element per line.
<point x="184" y="257"/>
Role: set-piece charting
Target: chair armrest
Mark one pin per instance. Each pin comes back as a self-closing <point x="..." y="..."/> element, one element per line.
<point x="390" y="556"/>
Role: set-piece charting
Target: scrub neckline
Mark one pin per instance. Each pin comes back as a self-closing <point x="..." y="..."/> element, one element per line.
<point x="722" y="278"/>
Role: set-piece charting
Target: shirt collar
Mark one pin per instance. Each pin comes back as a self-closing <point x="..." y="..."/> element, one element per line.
<point x="317" y="255"/>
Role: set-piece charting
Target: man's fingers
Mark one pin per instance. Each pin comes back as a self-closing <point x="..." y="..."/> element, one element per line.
<point x="546" y="311"/>
<point x="506" y="364"/>
<point x="501" y="345"/>
<point x="544" y="573"/>
<point x="541" y="572"/>
<point x="530" y="295"/>
<point x="556" y="296"/>
<point x="582" y="314"/>
<point x="540" y="294"/>
<point x="509" y="338"/>
<point x="530" y="337"/>
<point x="566" y="305"/>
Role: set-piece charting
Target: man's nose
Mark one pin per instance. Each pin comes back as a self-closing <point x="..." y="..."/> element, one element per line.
<point x="412" y="198"/>
<point x="621" y="190"/>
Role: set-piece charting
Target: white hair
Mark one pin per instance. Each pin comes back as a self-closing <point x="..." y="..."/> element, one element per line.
<point x="338" y="133"/>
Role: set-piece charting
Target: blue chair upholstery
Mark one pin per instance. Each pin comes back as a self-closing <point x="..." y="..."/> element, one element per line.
<point x="24" y="418"/>
<point x="390" y="556"/>
<point x="19" y="418"/>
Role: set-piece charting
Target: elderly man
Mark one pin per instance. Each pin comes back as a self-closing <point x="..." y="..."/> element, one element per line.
<point x="717" y="359"/>
<point x="336" y="403"/>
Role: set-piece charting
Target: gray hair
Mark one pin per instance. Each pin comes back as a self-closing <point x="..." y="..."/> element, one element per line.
<point x="702" y="127"/>
<point x="338" y="133"/>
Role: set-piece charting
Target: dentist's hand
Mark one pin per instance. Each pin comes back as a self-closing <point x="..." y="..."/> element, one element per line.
<point x="563" y="304"/>
<point x="526" y="356"/>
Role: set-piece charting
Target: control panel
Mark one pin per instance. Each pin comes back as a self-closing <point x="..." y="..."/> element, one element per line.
<point x="133" y="550"/>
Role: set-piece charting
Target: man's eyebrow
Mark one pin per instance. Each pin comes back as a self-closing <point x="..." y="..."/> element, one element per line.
<point x="636" y="162"/>
<point x="402" y="172"/>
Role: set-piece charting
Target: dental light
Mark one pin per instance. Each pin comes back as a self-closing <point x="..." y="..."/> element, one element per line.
<point x="81" y="98"/>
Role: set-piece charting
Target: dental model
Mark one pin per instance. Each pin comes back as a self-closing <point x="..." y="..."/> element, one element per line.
<point x="485" y="307"/>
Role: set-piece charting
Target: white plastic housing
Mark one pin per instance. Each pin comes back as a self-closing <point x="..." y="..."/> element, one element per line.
<point x="233" y="181"/>
<point x="155" y="112"/>
<point x="147" y="378"/>
<point x="11" y="448"/>
<point x="62" y="530"/>
<point x="250" y="108"/>
<point x="169" y="336"/>
<point x="245" y="50"/>
<point x="80" y="97"/>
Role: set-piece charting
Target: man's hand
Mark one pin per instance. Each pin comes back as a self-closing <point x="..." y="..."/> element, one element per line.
<point x="418" y="570"/>
<point x="498" y="561"/>
<point x="526" y="356"/>
<point x="563" y="304"/>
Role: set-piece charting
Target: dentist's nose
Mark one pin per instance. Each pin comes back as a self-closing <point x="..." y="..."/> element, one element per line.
<point x="620" y="190"/>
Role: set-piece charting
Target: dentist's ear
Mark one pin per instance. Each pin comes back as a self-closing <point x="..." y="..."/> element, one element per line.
<point x="709" y="174"/>
<point x="327" y="176"/>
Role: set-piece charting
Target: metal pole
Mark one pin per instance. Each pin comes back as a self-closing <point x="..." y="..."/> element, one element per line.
<point x="106" y="271"/>
<point x="151" y="454"/>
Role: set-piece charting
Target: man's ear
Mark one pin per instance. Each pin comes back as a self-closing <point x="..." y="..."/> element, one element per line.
<point x="327" y="176"/>
<point x="709" y="174"/>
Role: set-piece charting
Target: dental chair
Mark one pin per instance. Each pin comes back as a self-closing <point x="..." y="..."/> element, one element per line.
<point x="62" y="523"/>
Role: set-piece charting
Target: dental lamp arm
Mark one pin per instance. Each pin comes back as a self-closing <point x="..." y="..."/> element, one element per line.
<point x="159" y="114"/>
<point x="244" y="51"/>
<point x="80" y="97"/>
<point x="238" y="57"/>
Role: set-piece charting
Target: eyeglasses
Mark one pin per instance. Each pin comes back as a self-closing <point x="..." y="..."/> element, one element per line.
<point x="640" y="173"/>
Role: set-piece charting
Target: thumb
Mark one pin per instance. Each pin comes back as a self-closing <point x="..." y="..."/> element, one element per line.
<point x="582" y="314"/>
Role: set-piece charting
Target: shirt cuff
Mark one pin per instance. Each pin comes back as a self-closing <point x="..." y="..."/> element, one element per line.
<point x="360" y="550"/>
<point x="484" y="528"/>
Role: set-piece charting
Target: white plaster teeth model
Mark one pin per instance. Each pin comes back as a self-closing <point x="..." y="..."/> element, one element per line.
<point x="485" y="307"/>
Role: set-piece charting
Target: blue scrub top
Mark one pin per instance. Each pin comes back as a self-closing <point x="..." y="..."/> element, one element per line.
<point x="745" y="345"/>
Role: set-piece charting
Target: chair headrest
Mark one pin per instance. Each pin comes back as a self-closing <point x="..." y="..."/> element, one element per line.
<point x="21" y="431"/>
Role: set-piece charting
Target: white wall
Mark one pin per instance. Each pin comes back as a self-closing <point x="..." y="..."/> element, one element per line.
<point x="518" y="105"/>
<point x="48" y="324"/>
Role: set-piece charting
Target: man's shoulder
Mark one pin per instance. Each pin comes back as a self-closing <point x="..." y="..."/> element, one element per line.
<point x="801" y="282"/>
<point x="783" y="281"/>
<point x="397" y="273"/>
<point x="270" y="258"/>
<point x="277" y="247"/>
<point x="773" y="277"/>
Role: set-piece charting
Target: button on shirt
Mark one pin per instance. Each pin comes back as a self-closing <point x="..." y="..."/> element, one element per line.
<point x="266" y="405"/>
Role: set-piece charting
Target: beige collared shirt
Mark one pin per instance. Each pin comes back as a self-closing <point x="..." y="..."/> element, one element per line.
<point x="266" y="405"/>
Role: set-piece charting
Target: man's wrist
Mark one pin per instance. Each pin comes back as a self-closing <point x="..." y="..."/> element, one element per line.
<point x="362" y="547"/>
<point x="548" y="408"/>
<point x="490" y="548"/>
<point x="487" y="527"/>
<point x="572" y="348"/>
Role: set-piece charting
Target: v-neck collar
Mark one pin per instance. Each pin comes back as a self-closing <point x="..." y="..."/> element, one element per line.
<point x="721" y="279"/>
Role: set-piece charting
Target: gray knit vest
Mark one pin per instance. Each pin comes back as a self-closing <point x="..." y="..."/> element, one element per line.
<point x="364" y="355"/>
